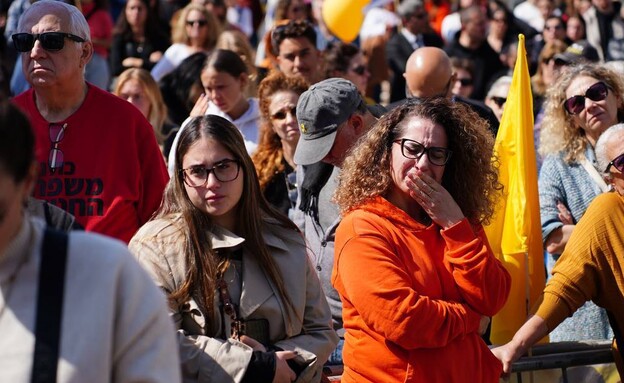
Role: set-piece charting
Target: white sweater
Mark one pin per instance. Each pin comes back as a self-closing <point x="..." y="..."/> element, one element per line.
<point x="115" y="325"/>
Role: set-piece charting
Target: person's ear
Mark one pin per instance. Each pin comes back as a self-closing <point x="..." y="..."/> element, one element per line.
<point x="86" y="53"/>
<point x="243" y="78"/>
<point x="357" y="123"/>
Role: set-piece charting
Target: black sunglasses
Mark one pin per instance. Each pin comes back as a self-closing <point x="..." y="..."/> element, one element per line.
<point x="596" y="92"/>
<point x="499" y="101"/>
<point x="359" y="70"/>
<point x="50" y="41"/>
<point x="414" y="150"/>
<point x="201" y="23"/>
<point x="618" y="163"/>
<point x="281" y="114"/>
<point x="465" y="81"/>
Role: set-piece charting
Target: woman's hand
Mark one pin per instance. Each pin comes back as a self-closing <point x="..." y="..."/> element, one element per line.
<point x="132" y="62"/>
<point x="283" y="373"/>
<point x="564" y="214"/>
<point x="155" y="56"/>
<point x="507" y="355"/>
<point x="201" y="105"/>
<point x="251" y="342"/>
<point x="434" y="199"/>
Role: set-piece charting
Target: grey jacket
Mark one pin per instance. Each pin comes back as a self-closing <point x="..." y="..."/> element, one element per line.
<point x="214" y="357"/>
<point x="320" y="237"/>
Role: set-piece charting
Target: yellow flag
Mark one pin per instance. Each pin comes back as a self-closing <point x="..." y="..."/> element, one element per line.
<point x="515" y="232"/>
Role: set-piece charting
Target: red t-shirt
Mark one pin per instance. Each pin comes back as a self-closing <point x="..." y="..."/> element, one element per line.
<point x="113" y="173"/>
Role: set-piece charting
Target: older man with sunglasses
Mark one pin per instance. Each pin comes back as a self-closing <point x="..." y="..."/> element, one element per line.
<point x="591" y="265"/>
<point x="98" y="156"/>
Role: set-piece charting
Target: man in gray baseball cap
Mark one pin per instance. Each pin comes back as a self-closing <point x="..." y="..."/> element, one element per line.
<point x="332" y="116"/>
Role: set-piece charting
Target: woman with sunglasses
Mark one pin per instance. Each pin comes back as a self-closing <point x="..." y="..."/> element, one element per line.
<point x="279" y="134"/>
<point x="242" y="292"/>
<point x="412" y="264"/>
<point x="580" y="106"/>
<point x="347" y="61"/>
<point x="195" y="30"/>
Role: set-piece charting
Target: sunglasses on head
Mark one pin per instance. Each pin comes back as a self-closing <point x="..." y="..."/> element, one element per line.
<point x="618" y="163"/>
<point x="201" y="23"/>
<point x="359" y="70"/>
<point x="50" y="41"/>
<point x="596" y="92"/>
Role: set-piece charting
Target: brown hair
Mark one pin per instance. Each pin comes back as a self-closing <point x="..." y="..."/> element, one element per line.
<point x="470" y="176"/>
<point x="179" y="35"/>
<point x="252" y="211"/>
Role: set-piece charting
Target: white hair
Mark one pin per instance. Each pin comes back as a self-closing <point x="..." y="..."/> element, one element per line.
<point x="603" y="142"/>
<point x="500" y="82"/>
<point x="77" y="23"/>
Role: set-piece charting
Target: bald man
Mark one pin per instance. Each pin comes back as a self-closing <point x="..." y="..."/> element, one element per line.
<point x="428" y="73"/>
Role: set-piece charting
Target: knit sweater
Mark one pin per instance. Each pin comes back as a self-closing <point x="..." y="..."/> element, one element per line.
<point x="591" y="266"/>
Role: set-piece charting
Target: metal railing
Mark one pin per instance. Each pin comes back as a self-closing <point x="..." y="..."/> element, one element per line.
<point x="563" y="355"/>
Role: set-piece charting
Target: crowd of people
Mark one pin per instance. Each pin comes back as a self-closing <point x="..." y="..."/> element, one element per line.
<point x="225" y="191"/>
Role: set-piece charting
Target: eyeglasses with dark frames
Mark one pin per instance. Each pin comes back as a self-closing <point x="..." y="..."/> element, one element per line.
<point x="55" y="157"/>
<point x="596" y="92"/>
<point x="414" y="150"/>
<point x="50" y="41"/>
<point x="281" y="114"/>
<point x="618" y="163"/>
<point x="224" y="171"/>
<point x="465" y="81"/>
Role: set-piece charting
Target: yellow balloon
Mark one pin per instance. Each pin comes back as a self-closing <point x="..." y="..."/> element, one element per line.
<point x="344" y="18"/>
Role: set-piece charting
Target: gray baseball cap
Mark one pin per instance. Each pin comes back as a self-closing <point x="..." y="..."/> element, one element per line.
<point x="320" y="110"/>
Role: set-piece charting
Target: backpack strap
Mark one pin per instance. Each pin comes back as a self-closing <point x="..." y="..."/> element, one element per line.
<point x="49" y="306"/>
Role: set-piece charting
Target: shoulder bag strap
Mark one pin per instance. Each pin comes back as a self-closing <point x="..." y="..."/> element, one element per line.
<point x="49" y="306"/>
<point x="593" y="173"/>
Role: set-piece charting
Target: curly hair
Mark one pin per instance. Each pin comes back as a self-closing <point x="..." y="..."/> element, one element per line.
<point x="269" y="153"/>
<point x="558" y="133"/>
<point x="470" y="176"/>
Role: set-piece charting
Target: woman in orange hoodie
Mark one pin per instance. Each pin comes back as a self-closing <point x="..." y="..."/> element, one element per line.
<point x="413" y="267"/>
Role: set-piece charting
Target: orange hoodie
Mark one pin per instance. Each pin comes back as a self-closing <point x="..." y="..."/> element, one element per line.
<point x="413" y="297"/>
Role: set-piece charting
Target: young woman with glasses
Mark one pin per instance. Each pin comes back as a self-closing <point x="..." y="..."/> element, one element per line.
<point x="580" y="106"/>
<point x="244" y="297"/>
<point x="279" y="135"/>
<point x="195" y="30"/>
<point x="413" y="267"/>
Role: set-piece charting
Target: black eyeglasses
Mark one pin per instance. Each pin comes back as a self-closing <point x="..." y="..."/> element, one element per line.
<point x="465" y="81"/>
<point x="55" y="158"/>
<point x="499" y="101"/>
<point x="224" y="171"/>
<point x="201" y="23"/>
<point x="596" y="92"/>
<point x="618" y="163"/>
<point x="414" y="150"/>
<point x="281" y="114"/>
<point x="359" y="70"/>
<point x="50" y="41"/>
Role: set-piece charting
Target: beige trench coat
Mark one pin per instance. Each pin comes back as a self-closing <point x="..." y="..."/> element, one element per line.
<point x="206" y="358"/>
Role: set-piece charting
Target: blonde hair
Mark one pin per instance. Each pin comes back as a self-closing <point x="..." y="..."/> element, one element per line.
<point x="470" y="176"/>
<point x="158" y="110"/>
<point x="559" y="134"/>
<point x="179" y="35"/>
